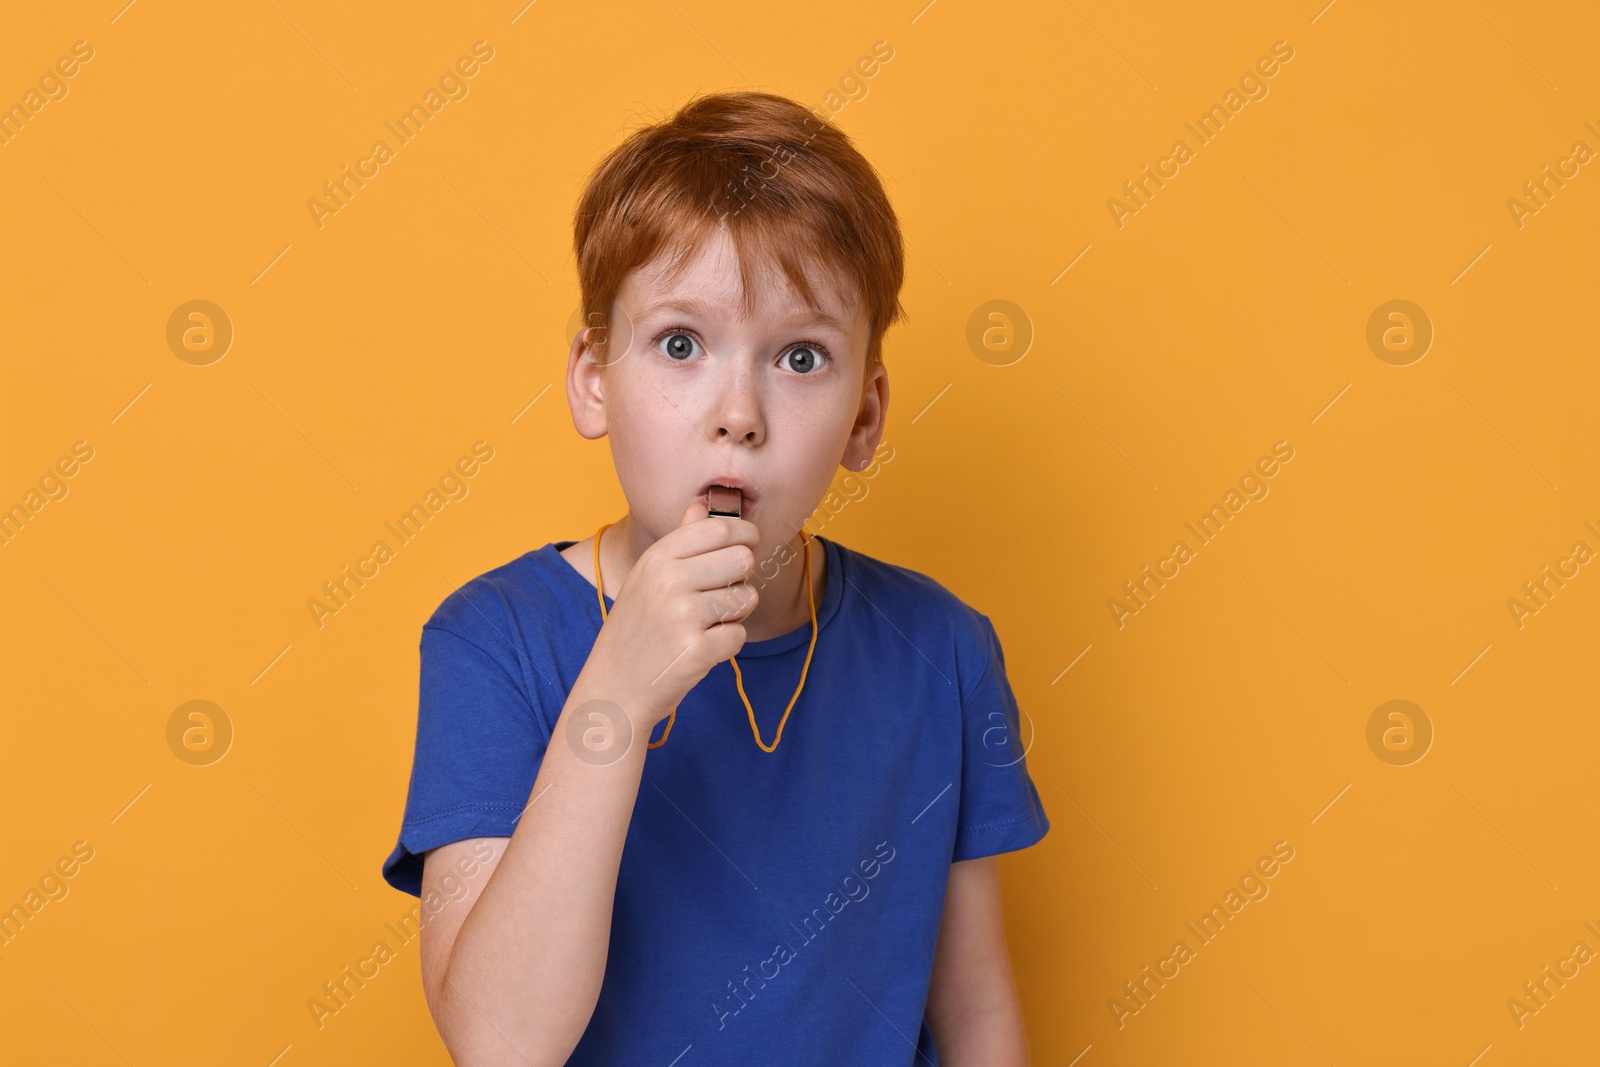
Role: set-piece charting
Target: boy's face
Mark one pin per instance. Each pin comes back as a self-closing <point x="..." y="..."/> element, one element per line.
<point x="693" y="395"/>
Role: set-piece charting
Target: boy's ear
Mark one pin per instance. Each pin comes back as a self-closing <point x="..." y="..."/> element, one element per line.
<point x="586" y="388"/>
<point x="870" y="420"/>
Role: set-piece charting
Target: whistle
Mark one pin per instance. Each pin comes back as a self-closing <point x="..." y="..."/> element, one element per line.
<point x="724" y="501"/>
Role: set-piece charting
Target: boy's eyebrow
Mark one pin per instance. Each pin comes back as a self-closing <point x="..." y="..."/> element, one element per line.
<point x="690" y="306"/>
<point x="687" y="306"/>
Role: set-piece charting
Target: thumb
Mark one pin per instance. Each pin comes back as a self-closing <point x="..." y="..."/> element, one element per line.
<point x="694" y="513"/>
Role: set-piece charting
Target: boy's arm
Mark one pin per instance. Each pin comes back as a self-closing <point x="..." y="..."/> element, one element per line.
<point x="512" y="968"/>
<point x="972" y="1000"/>
<point x="514" y="977"/>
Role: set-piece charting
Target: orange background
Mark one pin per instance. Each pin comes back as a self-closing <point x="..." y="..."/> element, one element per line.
<point x="1227" y="314"/>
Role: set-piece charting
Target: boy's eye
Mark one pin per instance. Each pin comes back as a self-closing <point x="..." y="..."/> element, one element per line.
<point x="679" y="345"/>
<point x="803" y="358"/>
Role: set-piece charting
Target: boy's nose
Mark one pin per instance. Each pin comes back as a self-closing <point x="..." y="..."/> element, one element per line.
<point x="739" y="427"/>
<point x="738" y="409"/>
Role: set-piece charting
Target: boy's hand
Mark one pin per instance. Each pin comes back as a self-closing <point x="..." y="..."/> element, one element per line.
<point x="679" y="612"/>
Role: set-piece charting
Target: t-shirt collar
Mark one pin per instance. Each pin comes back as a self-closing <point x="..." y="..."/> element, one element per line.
<point x="833" y="593"/>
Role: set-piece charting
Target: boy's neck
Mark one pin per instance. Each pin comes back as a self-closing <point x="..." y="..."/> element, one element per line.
<point x="781" y="607"/>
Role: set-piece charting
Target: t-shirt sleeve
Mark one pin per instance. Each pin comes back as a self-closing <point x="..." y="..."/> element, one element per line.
<point x="480" y="740"/>
<point x="1000" y="808"/>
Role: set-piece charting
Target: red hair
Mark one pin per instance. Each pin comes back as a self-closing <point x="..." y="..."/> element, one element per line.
<point x="788" y="186"/>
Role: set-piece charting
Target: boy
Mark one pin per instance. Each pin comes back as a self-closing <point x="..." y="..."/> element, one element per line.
<point x="595" y="893"/>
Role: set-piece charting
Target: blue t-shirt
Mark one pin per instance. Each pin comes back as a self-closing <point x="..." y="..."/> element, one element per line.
<point x="774" y="908"/>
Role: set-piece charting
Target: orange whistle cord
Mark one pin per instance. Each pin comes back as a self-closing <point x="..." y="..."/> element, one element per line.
<point x="738" y="676"/>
